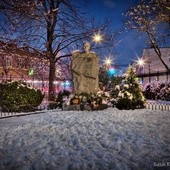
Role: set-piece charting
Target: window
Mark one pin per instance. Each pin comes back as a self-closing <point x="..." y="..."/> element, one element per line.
<point x="8" y="61"/>
<point x="32" y="64"/>
<point x="21" y="63"/>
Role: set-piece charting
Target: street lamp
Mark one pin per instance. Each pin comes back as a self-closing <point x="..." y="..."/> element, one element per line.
<point x="140" y="63"/>
<point x="108" y="61"/>
<point x="149" y="67"/>
<point x="97" y="38"/>
<point x="107" y="64"/>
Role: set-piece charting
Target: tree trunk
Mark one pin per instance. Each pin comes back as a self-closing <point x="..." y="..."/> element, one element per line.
<point x="157" y="50"/>
<point x="51" y="92"/>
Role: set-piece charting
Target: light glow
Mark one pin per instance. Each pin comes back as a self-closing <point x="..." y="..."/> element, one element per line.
<point x="97" y="38"/>
<point x="108" y="61"/>
<point x="140" y="62"/>
<point x="111" y="71"/>
<point x="40" y="81"/>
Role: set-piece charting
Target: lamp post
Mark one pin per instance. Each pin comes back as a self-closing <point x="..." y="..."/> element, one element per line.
<point x="149" y="69"/>
<point x="107" y="64"/>
<point x="148" y="61"/>
<point x="141" y="63"/>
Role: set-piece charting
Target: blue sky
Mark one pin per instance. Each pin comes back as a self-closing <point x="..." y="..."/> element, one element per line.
<point x="129" y="45"/>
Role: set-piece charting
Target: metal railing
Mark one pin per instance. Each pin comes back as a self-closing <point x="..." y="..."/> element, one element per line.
<point x="42" y="108"/>
<point x="12" y="114"/>
<point x="152" y="105"/>
<point x="158" y="105"/>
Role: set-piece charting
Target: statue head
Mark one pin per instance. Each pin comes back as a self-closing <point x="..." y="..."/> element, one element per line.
<point x="86" y="47"/>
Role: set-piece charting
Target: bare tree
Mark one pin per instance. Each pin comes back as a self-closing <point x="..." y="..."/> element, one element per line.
<point x="54" y="26"/>
<point x="153" y="18"/>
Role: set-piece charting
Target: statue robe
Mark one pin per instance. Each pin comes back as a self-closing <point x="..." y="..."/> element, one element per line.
<point x="85" y="71"/>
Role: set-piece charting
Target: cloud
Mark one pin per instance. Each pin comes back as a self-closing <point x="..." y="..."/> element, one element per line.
<point x="109" y="3"/>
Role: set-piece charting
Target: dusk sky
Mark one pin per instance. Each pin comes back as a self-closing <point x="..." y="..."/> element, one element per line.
<point x="129" y="45"/>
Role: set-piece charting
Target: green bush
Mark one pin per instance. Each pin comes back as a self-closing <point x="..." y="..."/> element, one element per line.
<point x="124" y="103"/>
<point x="53" y="105"/>
<point x="17" y="96"/>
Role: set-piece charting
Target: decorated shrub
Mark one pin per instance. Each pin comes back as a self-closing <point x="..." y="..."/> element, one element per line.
<point x="17" y="96"/>
<point x="130" y="93"/>
<point x="86" y="101"/>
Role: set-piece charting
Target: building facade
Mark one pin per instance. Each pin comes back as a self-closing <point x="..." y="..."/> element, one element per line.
<point x="153" y="70"/>
<point x="21" y="63"/>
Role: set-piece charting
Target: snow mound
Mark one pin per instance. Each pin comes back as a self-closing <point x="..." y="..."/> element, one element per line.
<point x="82" y="140"/>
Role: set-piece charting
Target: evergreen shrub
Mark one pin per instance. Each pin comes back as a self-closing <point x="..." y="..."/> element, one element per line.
<point x="130" y="94"/>
<point x="17" y="96"/>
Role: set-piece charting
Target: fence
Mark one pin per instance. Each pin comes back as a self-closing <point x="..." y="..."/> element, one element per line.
<point x="152" y="105"/>
<point x="158" y="105"/>
<point x="12" y="114"/>
<point x="42" y="108"/>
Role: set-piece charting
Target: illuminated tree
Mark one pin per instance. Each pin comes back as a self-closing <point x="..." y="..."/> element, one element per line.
<point x="130" y="95"/>
<point x="153" y="18"/>
<point x="56" y="27"/>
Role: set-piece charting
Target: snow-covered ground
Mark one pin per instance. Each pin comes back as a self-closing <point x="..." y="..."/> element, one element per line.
<point x="80" y="140"/>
